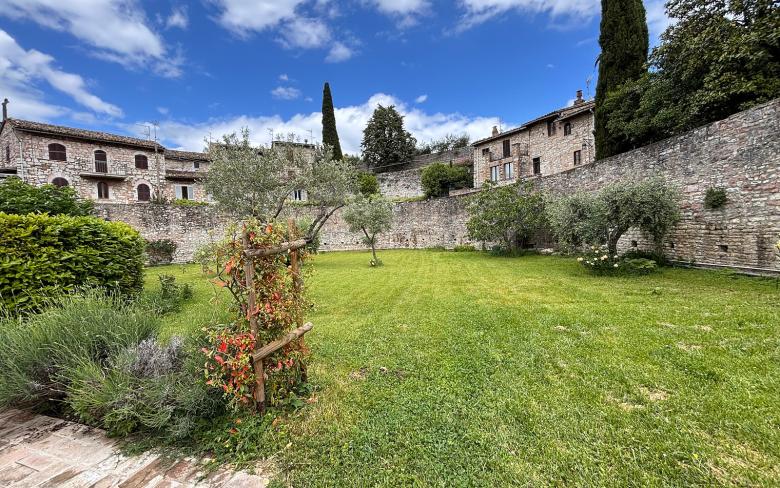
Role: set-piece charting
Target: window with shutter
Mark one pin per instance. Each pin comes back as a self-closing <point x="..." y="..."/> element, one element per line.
<point x="57" y="152"/>
<point x="507" y="148"/>
<point x="141" y="161"/>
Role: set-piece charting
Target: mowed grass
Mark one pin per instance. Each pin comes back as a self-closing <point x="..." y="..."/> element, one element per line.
<point x="464" y="369"/>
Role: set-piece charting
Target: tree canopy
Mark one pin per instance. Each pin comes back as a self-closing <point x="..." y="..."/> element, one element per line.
<point x="385" y="141"/>
<point x="716" y="59"/>
<point x="257" y="182"/>
<point x="509" y="214"/>
<point x="624" y="44"/>
<point x="650" y="205"/>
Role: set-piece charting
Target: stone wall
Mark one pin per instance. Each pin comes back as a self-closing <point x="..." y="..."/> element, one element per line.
<point x="417" y="225"/>
<point x="740" y="154"/>
<point x="401" y="184"/>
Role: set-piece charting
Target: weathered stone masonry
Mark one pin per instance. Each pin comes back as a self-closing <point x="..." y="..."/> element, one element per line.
<point x="740" y="154"/>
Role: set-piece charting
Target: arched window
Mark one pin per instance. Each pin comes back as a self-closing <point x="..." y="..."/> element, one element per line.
<point x="567" y="129"/>
<point x="57" y="152"/>
<point x="144" y="194"/>
<point x="59" y="182"/>
<point x="102" y="188"/>
<point x="101" y="162"/>
<point x="141" y="161"/>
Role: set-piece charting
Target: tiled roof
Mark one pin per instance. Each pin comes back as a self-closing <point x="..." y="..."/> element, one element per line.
<point x="186" y="155"/>
<point x="560" y="114"/>
<point x="92" y="135"/>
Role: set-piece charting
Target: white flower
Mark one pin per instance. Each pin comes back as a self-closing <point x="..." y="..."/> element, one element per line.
<point x="580" y="259"/>
<point x="615" y="265"/>
<point x="604" y="258"/>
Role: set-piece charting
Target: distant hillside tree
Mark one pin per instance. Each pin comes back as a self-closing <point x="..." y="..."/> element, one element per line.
<point x="624" y="44"/>
<point x="330" y="135"/>
<point x="385" y="141"/>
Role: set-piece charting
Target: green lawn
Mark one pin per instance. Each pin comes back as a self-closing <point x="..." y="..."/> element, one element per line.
<point x="463" y="369"/>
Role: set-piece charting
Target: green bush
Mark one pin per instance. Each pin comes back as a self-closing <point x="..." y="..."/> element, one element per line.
<point x="160" y="251"/>
<point x="367" y="184"/>
<point x="43" y="256"/>
<point x="439" y="178"/>
<point x="464" y="248"/>
<point x="715" y="198"/>
<point x="17" y="197"/>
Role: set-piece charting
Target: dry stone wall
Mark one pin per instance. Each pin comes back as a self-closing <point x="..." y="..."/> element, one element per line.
<point x="740" y="154"/>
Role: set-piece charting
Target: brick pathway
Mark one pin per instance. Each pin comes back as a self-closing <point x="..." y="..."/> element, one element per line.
<point x="40" y="451"/>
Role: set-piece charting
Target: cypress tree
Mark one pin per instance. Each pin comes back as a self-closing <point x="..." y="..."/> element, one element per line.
<point x="624" y="43"/>
<point x="330" y="135"/>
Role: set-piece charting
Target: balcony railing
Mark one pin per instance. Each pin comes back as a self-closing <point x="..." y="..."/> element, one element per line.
<point x="102" y="169"/>
<point x="517" y="151"/>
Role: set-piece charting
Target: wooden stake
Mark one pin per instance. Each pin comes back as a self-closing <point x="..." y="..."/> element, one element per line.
<point x="249" y="276"/>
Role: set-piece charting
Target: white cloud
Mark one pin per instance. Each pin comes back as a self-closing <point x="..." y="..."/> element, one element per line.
<point x="405" y="11"/>
<point x="178" y="18"/>
<point x="284" y="77"/>
<point x="163" y="110"/>
<point x="478" y="11"/>
<point x="550" y="66"/>
<point x="245" y="16"/>
<point x="295" y="29"/>
<point x="286" y="93"/>
<point x="21" y="70"/>
<point x="350" y="121"/>
<point x="339" y="52"/>
<point x="421" y="99"/>
<point x="117" y="29"/>
<point x="305" y="34"/>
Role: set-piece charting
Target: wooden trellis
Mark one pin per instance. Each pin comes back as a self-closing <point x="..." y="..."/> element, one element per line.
<point x="293" y="246"/>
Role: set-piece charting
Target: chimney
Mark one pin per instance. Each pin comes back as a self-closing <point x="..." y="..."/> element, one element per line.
<point x="5" y="110"/>
<point x="495" y="128"/>
<point x="579" y="99"/>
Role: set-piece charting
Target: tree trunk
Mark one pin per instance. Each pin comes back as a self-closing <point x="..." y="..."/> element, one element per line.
<point x="373" y="251"/>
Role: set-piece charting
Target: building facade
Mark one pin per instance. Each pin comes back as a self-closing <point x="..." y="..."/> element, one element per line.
<point x="103" y="167"/>
<point x="555" y="142"/>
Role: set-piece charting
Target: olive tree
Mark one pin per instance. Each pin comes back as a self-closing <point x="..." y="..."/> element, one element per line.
<point x="509" y="214"/>
<point x="248" y="181"/>
<point x="651" y="206"/>
<point x="371" y="216"/>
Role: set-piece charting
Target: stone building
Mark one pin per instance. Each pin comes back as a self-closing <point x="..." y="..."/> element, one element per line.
<point x="550" y="144"/>
<point x="104" y="167"/>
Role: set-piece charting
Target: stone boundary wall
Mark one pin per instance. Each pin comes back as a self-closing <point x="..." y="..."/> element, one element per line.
<point x="417" y="225"/>
<point x="740" y="154"/>
<point x="401" y="184"/>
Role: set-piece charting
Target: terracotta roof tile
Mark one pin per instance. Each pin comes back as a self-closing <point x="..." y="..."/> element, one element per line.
<point x="92" y="135"/>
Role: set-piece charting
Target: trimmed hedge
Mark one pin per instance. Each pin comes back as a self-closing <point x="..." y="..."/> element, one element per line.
<point x="42" y="256"/>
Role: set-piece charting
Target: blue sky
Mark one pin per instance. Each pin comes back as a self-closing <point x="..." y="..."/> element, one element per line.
<point x="201" y="69"/>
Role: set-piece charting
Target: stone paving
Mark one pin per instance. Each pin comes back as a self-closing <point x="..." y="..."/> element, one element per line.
<point x="40" y="451"/>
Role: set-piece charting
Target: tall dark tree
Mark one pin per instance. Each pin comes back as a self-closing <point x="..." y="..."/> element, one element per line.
<point x="624" y="44"/>
<point x="386" y="144"/>
<point x="330" y="135"/>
